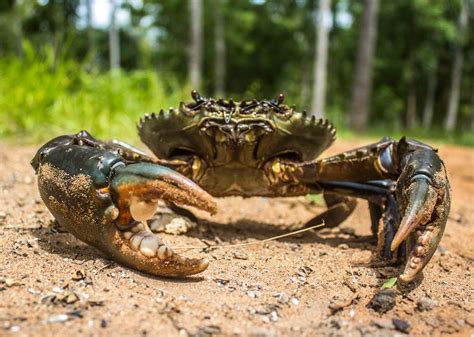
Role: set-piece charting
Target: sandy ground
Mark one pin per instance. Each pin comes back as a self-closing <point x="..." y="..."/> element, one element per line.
<point x="53" y="284"/>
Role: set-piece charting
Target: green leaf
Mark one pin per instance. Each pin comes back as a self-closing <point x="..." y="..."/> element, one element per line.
<point x="389" y="283"/>
<point x="315" y="198"/>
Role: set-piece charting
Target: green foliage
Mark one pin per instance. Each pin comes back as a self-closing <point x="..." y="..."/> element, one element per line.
<point x="59" y="82"/>
<point x="40" y="99"/>
<point x="390" y="283"/>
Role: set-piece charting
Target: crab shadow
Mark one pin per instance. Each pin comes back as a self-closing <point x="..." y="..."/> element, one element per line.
<point x="245" y="229"/>
<point x="54" y="240"/>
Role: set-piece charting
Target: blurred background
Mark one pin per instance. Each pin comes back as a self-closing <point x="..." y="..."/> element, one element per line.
<point x="373" y="67"/>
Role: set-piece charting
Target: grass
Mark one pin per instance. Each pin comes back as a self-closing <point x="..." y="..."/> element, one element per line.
<point x="40" y="99"/>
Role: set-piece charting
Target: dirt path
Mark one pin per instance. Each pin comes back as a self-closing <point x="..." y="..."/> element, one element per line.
<point x="52" y="284"/>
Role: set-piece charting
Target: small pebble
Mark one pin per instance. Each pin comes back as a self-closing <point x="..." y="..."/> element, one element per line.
<point x="240" y="255"/>
<point x="251" y="294"/>
<point x="273" y="316"/>
<point x="401" y="325"/>
<point x="470" y="320"/>
<point x="282" y="298"/>
<point x="384" y="324"/>
<point x="58" y="290"/>
<point x="262" y="332"/>
<point x="58" y="318"/>
<point x="383" y="301"/>
<point x="426" y="304"/>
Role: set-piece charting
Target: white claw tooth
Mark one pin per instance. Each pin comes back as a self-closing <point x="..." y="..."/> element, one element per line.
<point x="142" y="211"/>
<point x="203" y="264"/>
<point x="164" y="252"/>
<point x="149" y="245"/>
<point x="112" y="212"/>
<point x="139" y="227"/>
<point x="127" y="235"/>
<point x="136" y="240"/>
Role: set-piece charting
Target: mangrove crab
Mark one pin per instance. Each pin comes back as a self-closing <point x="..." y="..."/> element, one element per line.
<point x="104" y="192"/>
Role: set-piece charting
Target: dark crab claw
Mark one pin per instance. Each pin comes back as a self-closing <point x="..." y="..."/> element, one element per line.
<point x="425" y="191"/>
<point x="136" y="190"/>
<point x="100" y="200"/>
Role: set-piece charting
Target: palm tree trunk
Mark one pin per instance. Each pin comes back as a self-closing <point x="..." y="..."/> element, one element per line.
<point x="456" y="75"/>
<point x="362" y="87"/>
<point x="471" y="121"/>
<point x="428" y="110"/>
<point x="219" y="43"/>
<point x="195" y="53"/>
<point x="90" y="33"/>
<point x="321" y="56"/>
<point x="17" y="29"/>
<point x="471" y="126"/>
<point x="410" y="116"/>
<point x="114" y="39"/>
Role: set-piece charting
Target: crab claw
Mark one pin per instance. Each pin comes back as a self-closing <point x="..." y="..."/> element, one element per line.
<point x="424" y="190"/>
<point x="136" y="190"/>
<point x="104" y="202"/>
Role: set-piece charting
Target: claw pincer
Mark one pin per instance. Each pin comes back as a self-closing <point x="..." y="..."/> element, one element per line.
<point x="424" y="192"/>
<point x="105" y="200"/>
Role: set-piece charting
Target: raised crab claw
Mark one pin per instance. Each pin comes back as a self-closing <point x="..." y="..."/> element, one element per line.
<point x="104" y="192"/>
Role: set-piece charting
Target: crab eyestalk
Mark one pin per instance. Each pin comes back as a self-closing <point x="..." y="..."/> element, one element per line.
<point x="105" y="203"/>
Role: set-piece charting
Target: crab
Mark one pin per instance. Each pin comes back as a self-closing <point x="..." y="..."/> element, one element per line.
<point x="104" y="192"/>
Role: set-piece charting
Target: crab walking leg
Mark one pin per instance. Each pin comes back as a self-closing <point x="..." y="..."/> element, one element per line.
<point x="422" y="190"/>
<point x="103" y="200"/>
<point x="379" y="194"/>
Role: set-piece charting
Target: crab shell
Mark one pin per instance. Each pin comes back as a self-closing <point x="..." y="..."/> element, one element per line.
<point x="230" y="142"/>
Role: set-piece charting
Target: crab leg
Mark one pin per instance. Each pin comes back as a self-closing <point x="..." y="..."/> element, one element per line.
<point x="382" y="206"/>
<point x="422" y="190"/>
<point x="105" y="200"/>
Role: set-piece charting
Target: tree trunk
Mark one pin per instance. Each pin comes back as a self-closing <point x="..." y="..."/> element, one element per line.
<point x="471" y="112"/>
<point x="219" y="44"/>
<point x="114" y="39"/>
<point x="90" y="33"/>
<point x="428" y="110"/>
<point x="456" y="75"/>
<point x="305" y="84"/>
<point x="321" y="55"/>
<point x="362" y="87"/>
<point x="410" y="116"/>
<point x="17" y="29"/>
<point x="471" y="122"/>
<point x="195" y="53"/>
